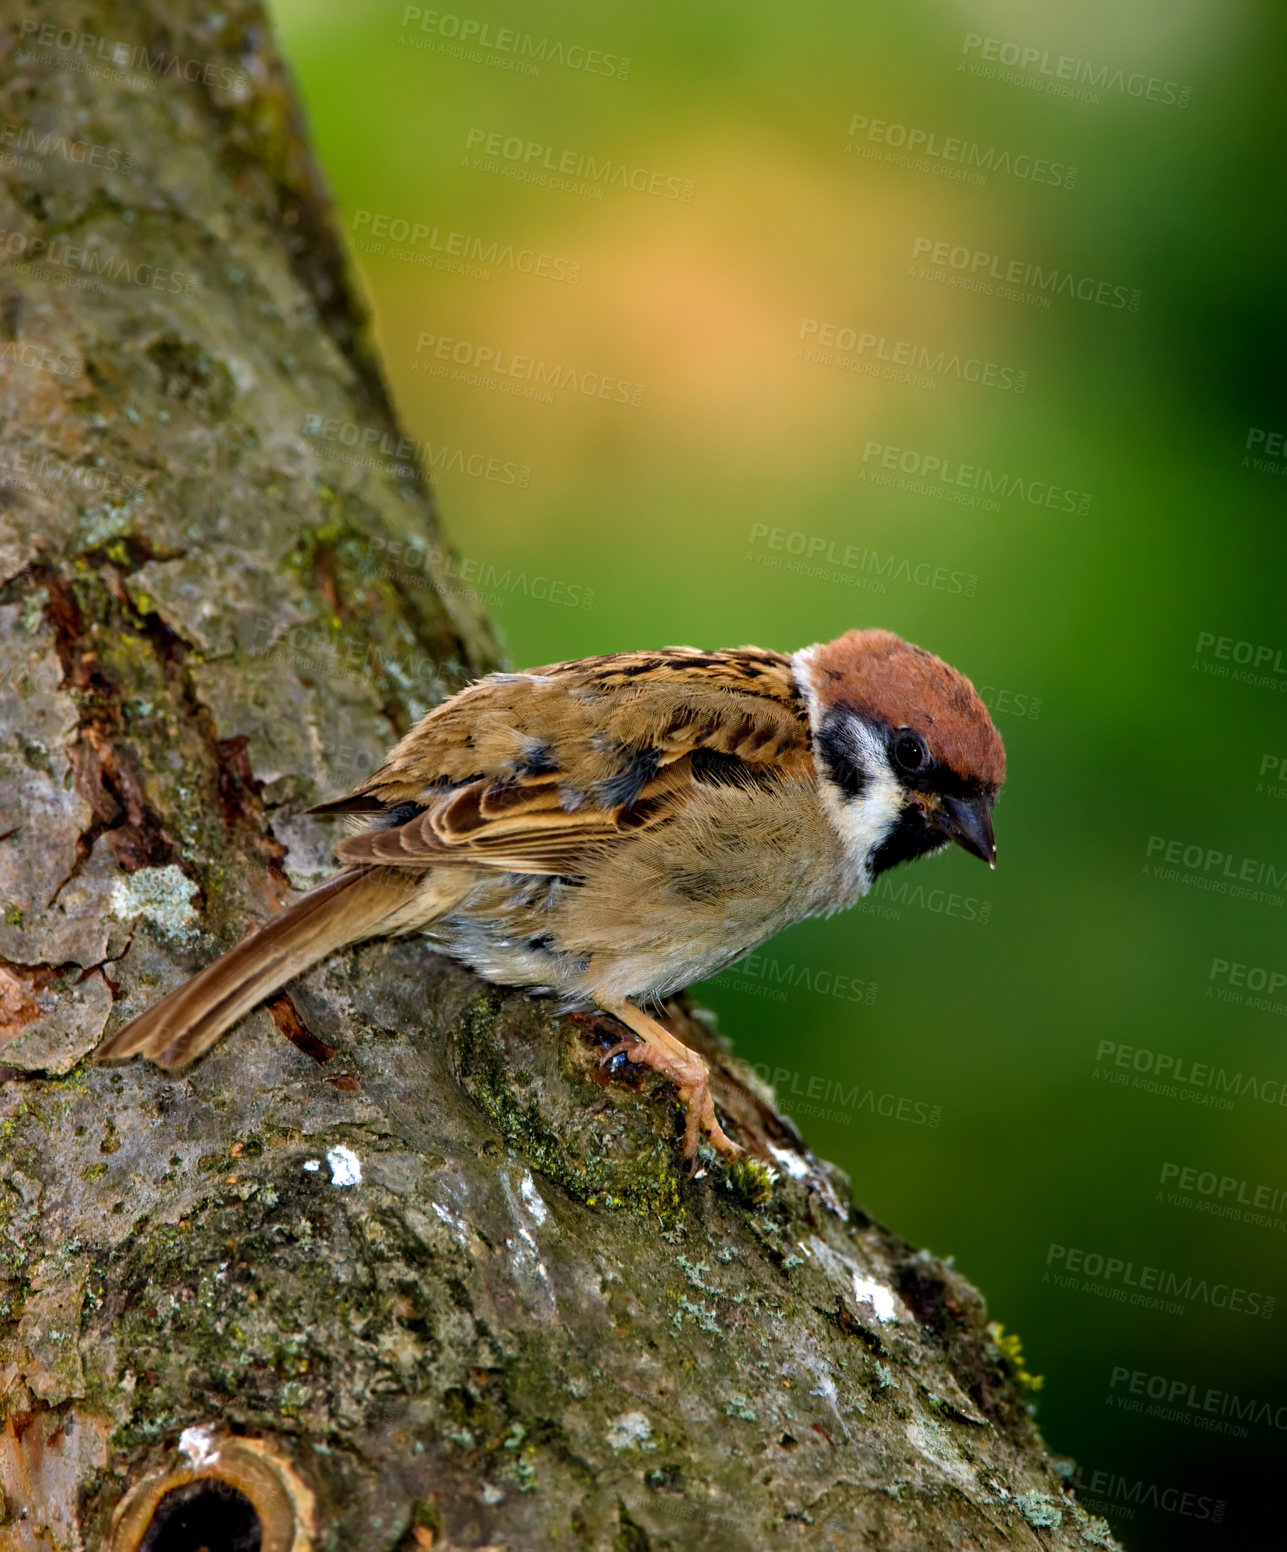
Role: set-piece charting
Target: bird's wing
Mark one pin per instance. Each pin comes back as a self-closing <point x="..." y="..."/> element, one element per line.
<point x="535" y="772"/>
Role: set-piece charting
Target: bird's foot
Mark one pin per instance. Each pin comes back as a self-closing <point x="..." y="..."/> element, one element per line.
<point x="691" y="1077"/>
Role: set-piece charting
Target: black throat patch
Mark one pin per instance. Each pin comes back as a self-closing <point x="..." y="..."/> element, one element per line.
<point x="910" y="838"/>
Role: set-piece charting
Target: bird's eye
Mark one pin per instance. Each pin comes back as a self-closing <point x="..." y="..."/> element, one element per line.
<point x="910" y="750"/>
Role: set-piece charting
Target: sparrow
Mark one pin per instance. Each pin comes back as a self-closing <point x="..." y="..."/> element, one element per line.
<point x="609" y="830"/>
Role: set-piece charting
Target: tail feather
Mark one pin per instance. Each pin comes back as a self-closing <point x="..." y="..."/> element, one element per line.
<point x="178" y="1028"/>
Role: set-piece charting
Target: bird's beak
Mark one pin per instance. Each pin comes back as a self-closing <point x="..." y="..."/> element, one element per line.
<point x="969" y="824"/>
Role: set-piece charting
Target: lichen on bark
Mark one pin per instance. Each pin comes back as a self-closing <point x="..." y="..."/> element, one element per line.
<point x="399" y="1228"/>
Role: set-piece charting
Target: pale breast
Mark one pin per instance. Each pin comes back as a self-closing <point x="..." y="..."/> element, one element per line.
<point x="663" y="909"/>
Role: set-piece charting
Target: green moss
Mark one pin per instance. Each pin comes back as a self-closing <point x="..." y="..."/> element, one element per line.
<point x="118" y="552"/>
<point x="750" y="1181"/>
<point x="1009" y="1348"/>
<point x="648" y="1186"/>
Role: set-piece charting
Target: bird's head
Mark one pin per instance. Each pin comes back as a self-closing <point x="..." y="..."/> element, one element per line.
<point x="907" y="757"/>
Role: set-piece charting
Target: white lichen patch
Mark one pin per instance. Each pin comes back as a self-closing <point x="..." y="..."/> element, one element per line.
<point x="346" y="1167"/>
<point x="932" y="1440"/>
<point x="162" y="896"/>
<point x="198" y="1445"/>
<point x="826" y="1389"/>
<point x="532" y="1199"/>
<point x="630" y="1431"/>
<point x="885" y="1303"/>
<point x="868" y="1291"/>
<point x="312" y="1165"/>
<point x="790" y="1161"/>
<point x="1040" y="1510"/>
<point x="457" y="1225"/>
<point x="107" y="522"/>
<point x="528" y="1270"/>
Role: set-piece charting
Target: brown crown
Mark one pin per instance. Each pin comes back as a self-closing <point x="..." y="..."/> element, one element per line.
<point x="886" y="678"/>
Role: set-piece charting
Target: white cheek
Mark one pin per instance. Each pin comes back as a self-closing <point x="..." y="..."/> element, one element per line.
<point x="863" y="823"/>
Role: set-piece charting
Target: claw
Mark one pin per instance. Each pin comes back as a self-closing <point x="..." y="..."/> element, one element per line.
<point x="652" y="1045"/>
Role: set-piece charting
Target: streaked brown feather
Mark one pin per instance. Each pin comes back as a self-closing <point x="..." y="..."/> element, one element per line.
<point x="537" y="772"/>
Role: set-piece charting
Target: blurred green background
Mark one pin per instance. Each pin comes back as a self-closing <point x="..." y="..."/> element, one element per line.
<point x="993" y="993"/>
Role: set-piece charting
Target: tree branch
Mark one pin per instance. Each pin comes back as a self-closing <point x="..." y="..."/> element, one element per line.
<point x="397" y="1264"/>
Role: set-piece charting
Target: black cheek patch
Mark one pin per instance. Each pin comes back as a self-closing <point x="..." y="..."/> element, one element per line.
<point x="847" y="776"/>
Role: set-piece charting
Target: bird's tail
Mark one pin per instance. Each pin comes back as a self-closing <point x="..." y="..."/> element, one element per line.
<point x="176" y="1030"/>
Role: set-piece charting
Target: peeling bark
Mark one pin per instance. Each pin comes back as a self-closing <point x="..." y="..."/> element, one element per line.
<point x="398" y="1263"/>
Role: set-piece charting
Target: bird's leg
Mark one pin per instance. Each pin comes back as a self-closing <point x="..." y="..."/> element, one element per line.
<point x="658" y="1048"/>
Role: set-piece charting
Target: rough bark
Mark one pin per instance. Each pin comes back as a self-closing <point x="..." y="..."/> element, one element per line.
<point x="525" y="1325"/>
